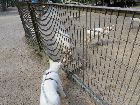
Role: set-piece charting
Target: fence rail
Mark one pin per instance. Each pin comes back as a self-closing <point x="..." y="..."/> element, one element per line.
<point x="104" y="44"/>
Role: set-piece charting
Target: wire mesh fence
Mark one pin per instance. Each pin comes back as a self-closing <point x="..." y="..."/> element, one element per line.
<point x="104" y="45"/>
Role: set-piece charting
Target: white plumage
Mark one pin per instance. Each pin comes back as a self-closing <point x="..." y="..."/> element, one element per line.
<point x="99" y="31"/>
<point x="134" y="20"/>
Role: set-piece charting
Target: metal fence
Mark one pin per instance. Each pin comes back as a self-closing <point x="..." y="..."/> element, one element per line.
<point x="104" y="44"/>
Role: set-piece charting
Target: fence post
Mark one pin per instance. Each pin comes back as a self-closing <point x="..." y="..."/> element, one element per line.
<point x="33" y="18"/>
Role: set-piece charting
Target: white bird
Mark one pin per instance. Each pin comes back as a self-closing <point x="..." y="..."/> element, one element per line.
<point x="99" y="31"/>
<point x="108" y="29"/>
<point x="95" y="31"/>
<point x="134" y="20"/>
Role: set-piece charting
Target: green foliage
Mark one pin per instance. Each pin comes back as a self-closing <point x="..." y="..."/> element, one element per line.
<point x="84" y="1"/>
<point x="6" y="3"/>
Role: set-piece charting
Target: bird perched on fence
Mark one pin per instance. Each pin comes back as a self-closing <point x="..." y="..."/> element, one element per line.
<point x="134" y="20"/>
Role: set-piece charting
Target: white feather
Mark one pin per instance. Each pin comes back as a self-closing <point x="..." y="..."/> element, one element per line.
<point x="135" y="19"/>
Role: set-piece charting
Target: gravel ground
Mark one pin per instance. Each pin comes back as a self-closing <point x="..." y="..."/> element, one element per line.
<point x="21" y="69"/>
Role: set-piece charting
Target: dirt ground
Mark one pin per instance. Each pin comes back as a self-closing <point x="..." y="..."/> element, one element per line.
<point x="21" y="69"/>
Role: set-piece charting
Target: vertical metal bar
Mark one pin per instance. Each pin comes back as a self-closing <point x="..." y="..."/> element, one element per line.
<point x="76" y="15"/>
<point x="83" y="56"/>
<point x="79" y="15"/>
<point x="83" y="75"/>
<point x="88" y="74"/>
<point x="86" y="37"/>
<point x="104" y="21"/>
<point x="99" y="27"/>
<point x="90" y="24"/>
<point x="77" y="34"/>
<point x="80" y="37"/>
<point x="99" y="34"/>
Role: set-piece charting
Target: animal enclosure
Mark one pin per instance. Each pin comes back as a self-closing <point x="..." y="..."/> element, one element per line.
<point x="104" y="44"/>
